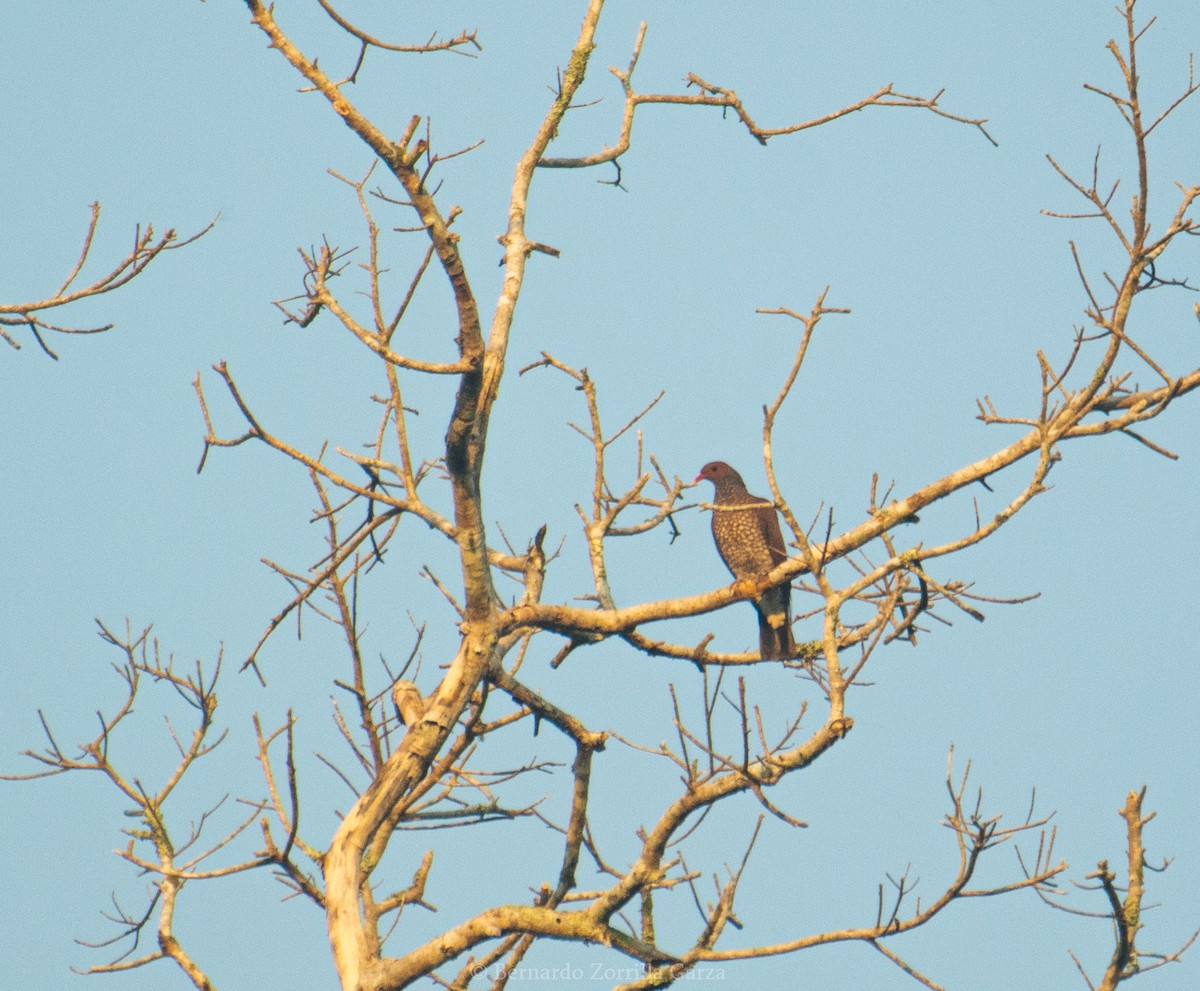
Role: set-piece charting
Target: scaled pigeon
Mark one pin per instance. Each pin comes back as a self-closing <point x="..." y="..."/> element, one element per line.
<point x="746" y="531"/>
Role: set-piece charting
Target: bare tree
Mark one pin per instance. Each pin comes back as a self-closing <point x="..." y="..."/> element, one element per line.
<point x="428" y="749"/>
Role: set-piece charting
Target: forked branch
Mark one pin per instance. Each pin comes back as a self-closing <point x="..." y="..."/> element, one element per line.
<point x="710" y="95"/>
<point x="146" y="248"/>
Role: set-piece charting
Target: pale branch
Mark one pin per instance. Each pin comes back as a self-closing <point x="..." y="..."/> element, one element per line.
<point x="431" y="45"/>
<point x="814" y="560"/>
<point x="505" y="920"/>
<point x="347" y="620"/>
<point x="606" y="507"/>
<point x="142" y="660"/>
<point x="587" y="743"/>
<point x="1092" y="195"/>
<point x="593" y="923"/>
<point x="1125" y="914"/>
<point x="398" y="157"/>
<point x="385" y="329"/>
<point x="699" y="797"/>
<point x="343" y="549"/>
<point x="590" y="624"/>
<point x="287" y="814"/>
<point x="699" y="653"/>
<point x="542" y="708"/>
<point x="319" y="268"/>
<point x="727" y="99"/>
<point x="146" y="248"/>
<point x="441" y="779"/>
<point x="414" y="894"/>
<point x="322" y="265"/>
<point x="321" y="576"/>
<point x="974" y="836"/>
<point x="468" y="424"/>
<point x="716" y="917"/>
<point x="908" y="968"/>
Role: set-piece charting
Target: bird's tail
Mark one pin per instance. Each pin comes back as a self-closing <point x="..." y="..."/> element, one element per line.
<point x="775" y="642"/>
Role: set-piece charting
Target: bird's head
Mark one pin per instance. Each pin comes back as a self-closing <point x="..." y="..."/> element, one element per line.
<point x="716" y="472"/>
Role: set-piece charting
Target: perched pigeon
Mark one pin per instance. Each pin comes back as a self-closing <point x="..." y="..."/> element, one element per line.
<point x="746" y="531"/>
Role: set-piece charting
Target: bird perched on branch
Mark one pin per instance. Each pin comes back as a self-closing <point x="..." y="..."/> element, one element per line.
<point x="746" y="531"/>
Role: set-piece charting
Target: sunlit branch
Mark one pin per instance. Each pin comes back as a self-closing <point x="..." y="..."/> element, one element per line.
<point x="146" y="248"/>
<point x="726" y="99"/>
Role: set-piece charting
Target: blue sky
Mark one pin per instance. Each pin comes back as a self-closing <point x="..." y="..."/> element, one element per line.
<point x="933" y="237"/>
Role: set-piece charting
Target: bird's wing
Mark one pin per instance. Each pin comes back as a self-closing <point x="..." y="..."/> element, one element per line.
<point x="768" y="522"/>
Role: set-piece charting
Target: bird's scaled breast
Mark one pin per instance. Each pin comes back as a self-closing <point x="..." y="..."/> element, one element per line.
<point x="740" y="542"/>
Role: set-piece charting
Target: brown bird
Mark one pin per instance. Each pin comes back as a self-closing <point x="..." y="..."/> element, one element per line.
<point x="746" y="531"/>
